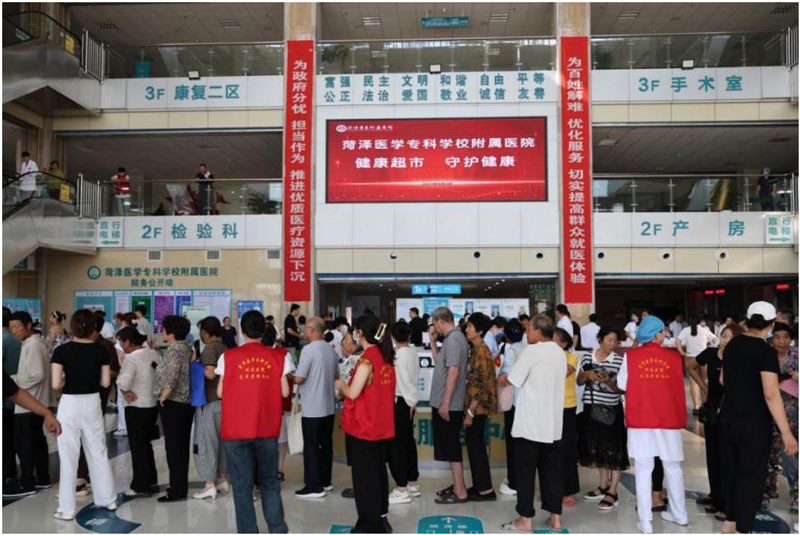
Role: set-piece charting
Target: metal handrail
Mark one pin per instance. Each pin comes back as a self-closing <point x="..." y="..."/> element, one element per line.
<point x="10" y="17"/>
<point x="190" y="180"/>
<point x="10" y="180"/>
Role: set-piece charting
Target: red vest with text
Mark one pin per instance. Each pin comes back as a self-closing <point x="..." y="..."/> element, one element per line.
<point x="371" y="415"/>
<point x="655" y="398"/>
<point x="251" y="392"/>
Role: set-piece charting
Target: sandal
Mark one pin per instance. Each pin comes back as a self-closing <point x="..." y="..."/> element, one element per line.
<point x="596" y="494"/>
<point x="444" y="491"/>
<point x="719" y="515"/>
<point x="450" y="498"/>
<point x="710" y="509"/>
<point x="608" y="503"/>
<point x="569" y="501"/>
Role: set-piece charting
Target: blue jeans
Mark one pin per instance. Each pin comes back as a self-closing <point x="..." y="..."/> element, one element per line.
<point x="789" y="464"/>
<point x="239" y="455"/>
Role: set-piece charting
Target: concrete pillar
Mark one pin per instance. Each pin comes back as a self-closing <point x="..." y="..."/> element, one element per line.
<point x="572" y="20"/>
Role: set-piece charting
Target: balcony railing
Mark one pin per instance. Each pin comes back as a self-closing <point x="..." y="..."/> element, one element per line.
<point x="176" y="61"/>
<point x="190" y="197"/>
<point x="693" y="193"/>
<point x="26" y="25"/>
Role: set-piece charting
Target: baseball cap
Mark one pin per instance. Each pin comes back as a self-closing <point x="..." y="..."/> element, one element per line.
<point x="766" y="310"/>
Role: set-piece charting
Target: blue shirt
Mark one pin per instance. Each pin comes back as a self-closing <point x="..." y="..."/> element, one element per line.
<point x="491" y="342"/>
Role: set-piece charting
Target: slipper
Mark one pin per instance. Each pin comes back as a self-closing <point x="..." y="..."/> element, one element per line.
<point x="719" y="515"/>
<point x="512" y="527"/>
<point x="444" y="491"/>
<point x="450" y="498"/>
<point x="569" y="501"/>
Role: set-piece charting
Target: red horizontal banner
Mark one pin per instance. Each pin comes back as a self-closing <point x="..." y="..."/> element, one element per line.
<point x="427" y="160"/>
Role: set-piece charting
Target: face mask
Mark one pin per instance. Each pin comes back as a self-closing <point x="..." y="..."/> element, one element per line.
<point x="356" y="339"/>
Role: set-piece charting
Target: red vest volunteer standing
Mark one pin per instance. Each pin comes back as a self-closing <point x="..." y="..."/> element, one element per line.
<point x="251" y="392"/>
<point x="371" y="415"/>
<point x="655" y="398"/>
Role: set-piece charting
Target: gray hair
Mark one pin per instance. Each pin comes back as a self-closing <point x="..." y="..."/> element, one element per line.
<point x="543" y="324"/>
<point x="316" y="323"/>
<point x="443" y="314"/>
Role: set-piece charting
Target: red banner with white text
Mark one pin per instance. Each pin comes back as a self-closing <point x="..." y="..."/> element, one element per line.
<point x="297" y="171"/>
<point x="429" y="160"/>
<point x="576" y="170"/>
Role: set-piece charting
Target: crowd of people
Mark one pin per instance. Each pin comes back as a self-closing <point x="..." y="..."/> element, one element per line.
<point x="571" y="396"/>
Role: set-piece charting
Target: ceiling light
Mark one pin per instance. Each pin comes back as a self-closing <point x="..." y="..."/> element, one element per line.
<point x="687" y="64"/>
<point x="607" y="142"/>
<point x="378" y="53"/>
<point x="628" y="14"/>
<point x="229" y="23"/>
<point x="106" y="25"/>
<point x="782" y="139"/>
<point x="498" y="17"/>
<point x="371" y="21"/>
<point x="194" y="75"/>
<point x="435" y="68"/>
<point x="782" y="9"/>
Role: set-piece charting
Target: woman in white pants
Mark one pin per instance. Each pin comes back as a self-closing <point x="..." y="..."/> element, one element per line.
<point x="80" y="368"/>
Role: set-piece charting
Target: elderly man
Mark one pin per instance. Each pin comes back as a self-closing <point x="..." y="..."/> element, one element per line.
<point x="652" y="378"/>
<point x="316" y="373"/>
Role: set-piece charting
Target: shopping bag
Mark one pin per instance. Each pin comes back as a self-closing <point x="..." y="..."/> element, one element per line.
<point x="294" y="427"/>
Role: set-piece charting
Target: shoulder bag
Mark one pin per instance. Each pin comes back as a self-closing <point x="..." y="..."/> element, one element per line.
<point x="600" y="413"/>
<point x="294" y="427"/>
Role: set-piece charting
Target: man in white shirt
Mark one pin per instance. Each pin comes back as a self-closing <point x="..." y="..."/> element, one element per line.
<point x="589" y="333"/>
<point x="630" y="331"/>
<point x="539" y="375"/>
<point x="676" y="326"/>
<point x="28" y="173"/>
<point x="563" y="319"/>
<point x="108" y="330"/>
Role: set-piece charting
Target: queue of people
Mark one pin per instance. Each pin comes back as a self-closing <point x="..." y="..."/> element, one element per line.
<point x="623" y="399"/>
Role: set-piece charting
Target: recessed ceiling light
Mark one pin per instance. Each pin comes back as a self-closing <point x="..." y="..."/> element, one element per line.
<point x="781" y="139"/>
<point x="230" y="23"/>
<point x="628" y="14"/>
<point x="371" y="21"/>
<point x="498" y="17"/>
<point x="106" y="25"/>
<point x="782" y="9"/>
<point x="607" y="142"/>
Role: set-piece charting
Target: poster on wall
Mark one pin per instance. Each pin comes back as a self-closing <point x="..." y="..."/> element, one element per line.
<point x="95" y="300"/>
<point x="195" y="314"/>
<point x="220" y="302"/>
<point x="31" y="306"/>
<point x="145" y="299"/>
<point x="429" y="304"/>
<point x="512" y="308"/>
<point x="430" y="160"/>
<point x="360" y="303"/>
<point x="246" y="306"/>
<point x="402" y="307"/>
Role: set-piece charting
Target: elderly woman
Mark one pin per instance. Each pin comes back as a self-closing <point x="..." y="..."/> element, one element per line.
<point x="652" y="378"/>
<point x="480" y="403"/>
<point x="172" y="376"/>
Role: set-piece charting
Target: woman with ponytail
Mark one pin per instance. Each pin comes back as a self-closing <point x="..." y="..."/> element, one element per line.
<point x="57" y="335"/>
<point x="368" y="423"/>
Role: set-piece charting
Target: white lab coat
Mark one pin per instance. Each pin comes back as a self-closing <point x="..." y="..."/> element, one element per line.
<point x="28" y="182"/>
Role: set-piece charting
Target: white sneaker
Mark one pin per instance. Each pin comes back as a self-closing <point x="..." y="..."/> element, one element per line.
<point x="645" y="527"/>
<point x="63" y="516"/>
<point x="120" y="433"/>
<point x="224" y="488"/>
<point x="666" y="515"/>
<point x="209" y="493"/>
<point x="399" y="496"/>
<point x="329" y="488"/>
<point x="413" y="490"/>
<point x="112" y="506"/>
<point x="505" y="489"/>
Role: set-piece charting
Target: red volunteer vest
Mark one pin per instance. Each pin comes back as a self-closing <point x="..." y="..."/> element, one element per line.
<point x="655" y="398"/>
<point x="371" y="415"/>
<point x="251" y="392"/>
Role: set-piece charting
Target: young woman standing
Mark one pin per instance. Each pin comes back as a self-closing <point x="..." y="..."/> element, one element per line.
<point x="368" y="423"/>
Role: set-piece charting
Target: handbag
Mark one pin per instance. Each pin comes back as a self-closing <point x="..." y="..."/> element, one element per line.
<point x="197" y="384"/>
<point x="602" y="414"/>
<point x="294" y="427"/>
<point x="709" y="413"/>
<point x="505" y="398"/>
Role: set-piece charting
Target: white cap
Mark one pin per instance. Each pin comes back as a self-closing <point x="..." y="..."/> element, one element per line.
<point x="766" y="310"/>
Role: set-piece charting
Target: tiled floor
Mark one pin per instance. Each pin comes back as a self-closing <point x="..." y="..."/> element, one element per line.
<point x="34" y="514"/>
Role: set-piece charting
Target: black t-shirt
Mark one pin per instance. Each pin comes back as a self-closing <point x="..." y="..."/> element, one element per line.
<point x="417" y="328"/>
<point x="229" y="337"/>
<point x="82" y="365"/>
<point x="9" y="386"/>
<point x="290" y="340"/>
<point x="744" y="359"/>
<point x="111" y="351"/>
<point x="708" y="357"/>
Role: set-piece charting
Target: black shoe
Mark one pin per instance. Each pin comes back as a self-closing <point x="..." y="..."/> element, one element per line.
<point x="166" y="498"/>
<point x="705" y="500"/>
<point x="43" y="485"/>
<point x="306" y="493"/>
<point x="478" y="497"/>
<point x="659" y="508"/>
<point x="17" y="491"/>
<point x="387" y="526"/>
<point x="348" y="493"/>
<point x="281" y="477"/>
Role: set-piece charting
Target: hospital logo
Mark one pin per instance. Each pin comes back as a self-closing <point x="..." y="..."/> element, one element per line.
<point x="93" y="273"/>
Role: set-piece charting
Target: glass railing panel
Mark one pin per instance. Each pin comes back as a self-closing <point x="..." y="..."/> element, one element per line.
<point x="37" y="25"/>
<point x="175" y="61"/>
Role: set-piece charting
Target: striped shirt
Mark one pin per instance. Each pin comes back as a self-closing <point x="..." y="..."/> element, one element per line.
<point x="601" y="394"/>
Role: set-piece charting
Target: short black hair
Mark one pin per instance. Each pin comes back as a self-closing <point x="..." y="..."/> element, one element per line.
<point x="270" y="318"/>
<point x="562" y="309"/>
<point x="101" y="313"/>
<point x="481" y="322"/>
<point x="401" y="331"/>
<point x="562" y="338"/>
<point x="523" y="317"/>
<point x="513" y="330"/>
<point x="120" y="169"/>
<point x="203" y="165"/>
<point x="22" y="316"/>
<point x="82" y="323"/>
<point x="757" y="322"/>
<point x="605" y="331"/>
<point x="25" y="153"/>
<point x="269" y="336"/>
<point x="593" y="318"/>
<point x="131" y="334"/>
<point x="781" y="327"/>
<point x="177" y="326"/>
<point x="415" y="310"/>
<point x="211" y="325"/>
<point x="99" y="321"/>
<point x="6" y="316"/>
<point x="141" y="308"/>
<point x="294" y="307"/>
<point x="301" y="319"/>
<point x="252" y="324"/>
<point x="499" y="322"/>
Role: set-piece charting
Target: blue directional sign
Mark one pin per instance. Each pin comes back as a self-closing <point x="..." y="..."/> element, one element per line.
<point x="101" y="520"/>
<point x="340" y="528"/>
<point x="445" y="22"/>
<point x="435" y="289"/>
<point x="449" y="524"/>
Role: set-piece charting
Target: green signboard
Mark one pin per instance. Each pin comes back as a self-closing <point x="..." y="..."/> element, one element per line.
<point x="445" y="22"/>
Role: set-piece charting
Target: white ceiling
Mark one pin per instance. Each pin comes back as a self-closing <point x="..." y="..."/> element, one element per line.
<point x="694" y="149"/>
<point x="162" y="156"/>
<point x="402" y="20"/>
<point x="658" y="17"/>
<point x="151" y="23"/>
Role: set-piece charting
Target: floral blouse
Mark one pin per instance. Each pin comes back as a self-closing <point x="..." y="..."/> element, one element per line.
<point x="790" y="403"/>
<point x="173" y="371"/>
<point x="481" y="380"/>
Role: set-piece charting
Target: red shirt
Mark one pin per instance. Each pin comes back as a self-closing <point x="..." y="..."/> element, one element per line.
<point x="655" y="398"/>
<point x="371" y="415"/>
<point x="251" y="392"/>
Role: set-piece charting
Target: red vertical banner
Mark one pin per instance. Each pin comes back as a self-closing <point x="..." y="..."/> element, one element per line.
<point x="297" y="171"/>
<point x="576" y="170"/>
